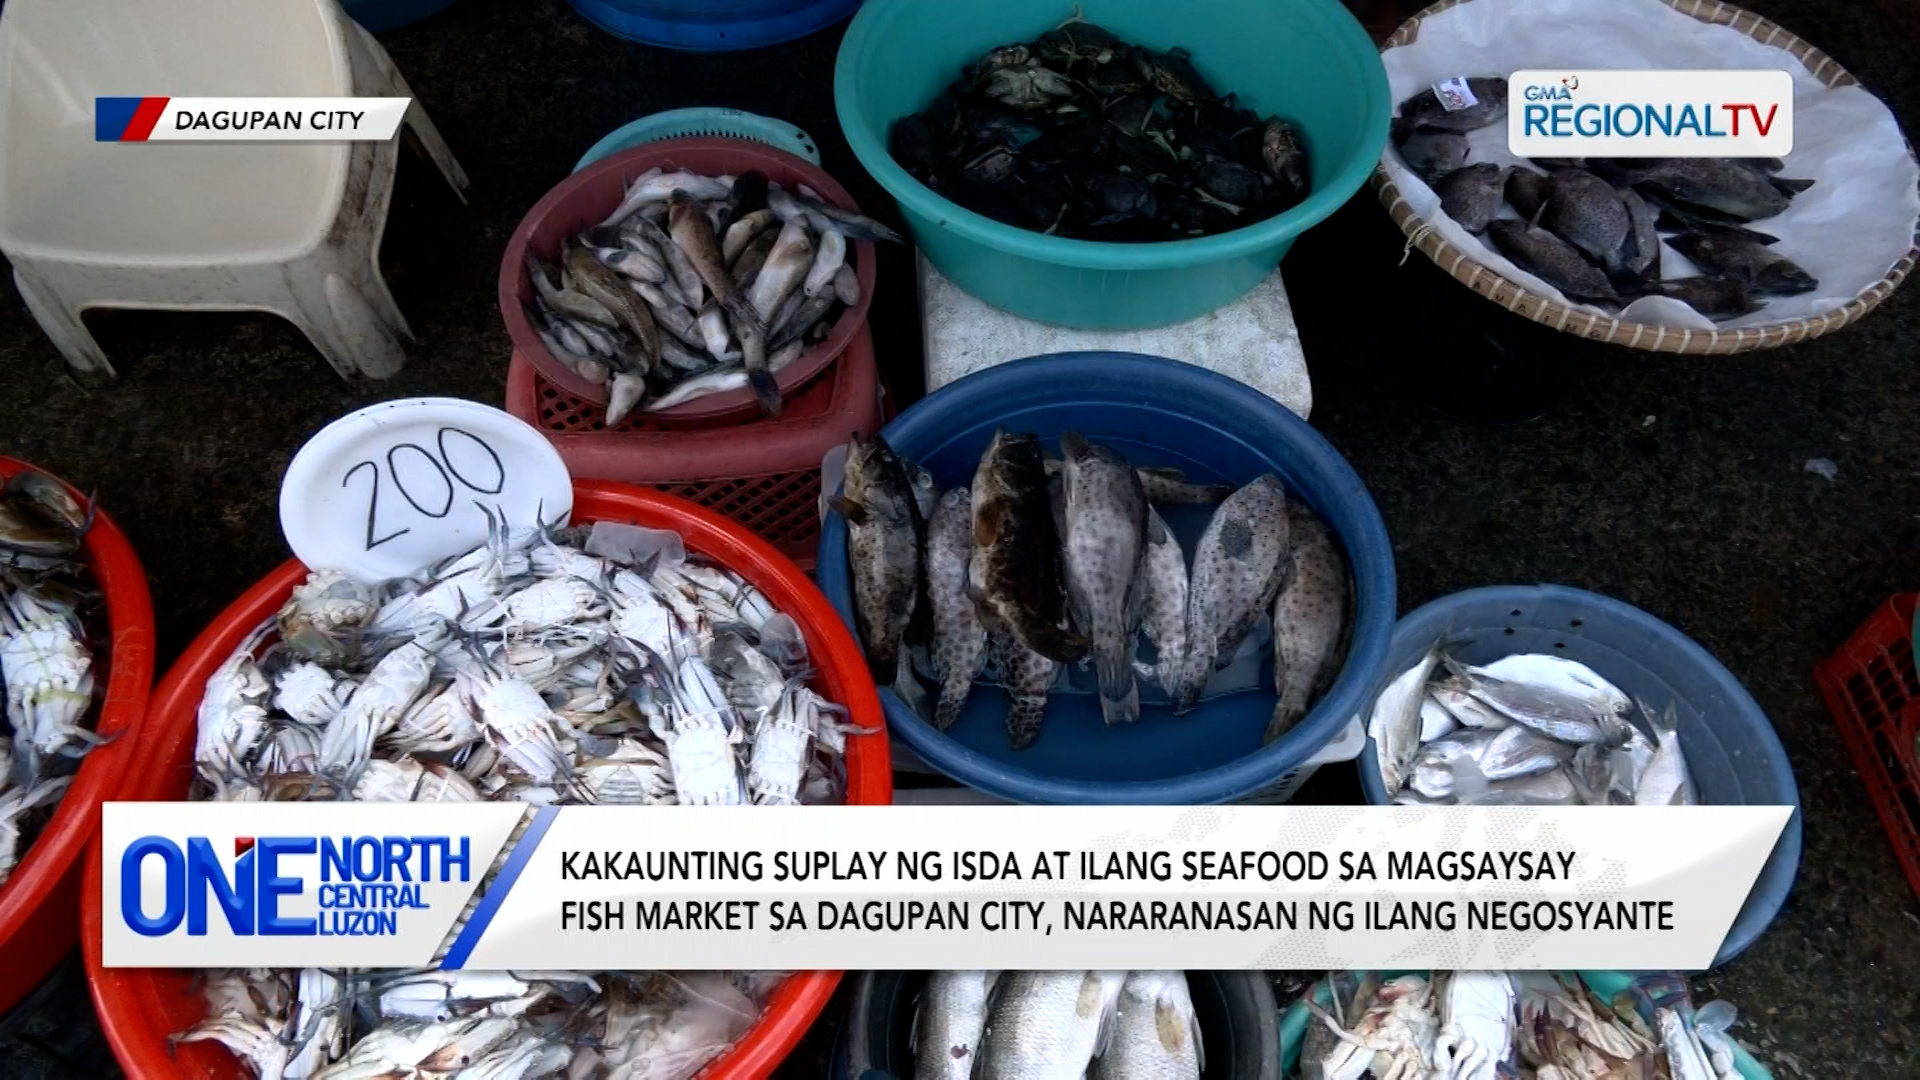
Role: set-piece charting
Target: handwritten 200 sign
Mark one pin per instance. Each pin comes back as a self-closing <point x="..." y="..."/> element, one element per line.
<point x="392" y="488"/>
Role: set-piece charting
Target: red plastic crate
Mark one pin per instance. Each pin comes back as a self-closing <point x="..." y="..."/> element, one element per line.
<point x="1874" y="695"/>
<point x="764" y="474"/>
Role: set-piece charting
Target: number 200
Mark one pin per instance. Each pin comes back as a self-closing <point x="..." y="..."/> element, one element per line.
<point x="444" y="468"/>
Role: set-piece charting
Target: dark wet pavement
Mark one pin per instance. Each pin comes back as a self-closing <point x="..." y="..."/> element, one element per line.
<point x="1674" y="483"/>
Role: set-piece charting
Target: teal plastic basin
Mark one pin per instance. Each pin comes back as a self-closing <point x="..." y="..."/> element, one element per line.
<point x="1305" y="60"/>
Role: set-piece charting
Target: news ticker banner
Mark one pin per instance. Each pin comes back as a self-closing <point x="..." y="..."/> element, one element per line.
<point x="926" y="887"/>
<point x="279" y="119"/>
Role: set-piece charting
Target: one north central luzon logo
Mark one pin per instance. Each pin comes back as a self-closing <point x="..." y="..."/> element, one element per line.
<point x="1555" y="111"/>
<point x="365" y="883"/>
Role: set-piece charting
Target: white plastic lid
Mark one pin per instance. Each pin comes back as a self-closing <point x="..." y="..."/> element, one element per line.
<point x="395" y="487"/>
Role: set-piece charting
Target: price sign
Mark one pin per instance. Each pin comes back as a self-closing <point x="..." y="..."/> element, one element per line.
<point x="395" y="487"/>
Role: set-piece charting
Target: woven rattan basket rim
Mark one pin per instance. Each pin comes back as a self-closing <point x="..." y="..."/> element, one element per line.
<point x="1607" y="329"/>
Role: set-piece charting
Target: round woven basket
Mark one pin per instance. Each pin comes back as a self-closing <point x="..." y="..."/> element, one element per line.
<point x="1615" y="331"/>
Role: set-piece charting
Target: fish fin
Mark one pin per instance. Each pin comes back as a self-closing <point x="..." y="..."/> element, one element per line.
<point x="1236" y="539"/>
<point x="1024" y="719"/>
<point x="852" y="511"/>
<point x="765" y="390"/>
<point x="1073" y="444"/>
<point x="883" y="660"/>
<point x="1058" y="644"/>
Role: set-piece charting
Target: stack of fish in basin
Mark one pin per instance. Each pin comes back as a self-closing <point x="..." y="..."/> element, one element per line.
<point x="581" y="667"/>
<point x="1550" y="696"/>
<point x="1044" y="563"/>
<point x="1486" y="1025"/>
<point x="1110" y="541"/>
<point x="1015" y="1025"/>
<point x="697" y="285"/>
<point x="1592" y="228"/>
<point x="1526" y="730"/>
<point x="46" y="655"/>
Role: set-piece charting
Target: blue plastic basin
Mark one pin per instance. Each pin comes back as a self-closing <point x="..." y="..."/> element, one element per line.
<point x="383" y="15"/>
<point x="1156" y="412"/>
<point x="713" y="25"/>
<point x="1732" y="751"/>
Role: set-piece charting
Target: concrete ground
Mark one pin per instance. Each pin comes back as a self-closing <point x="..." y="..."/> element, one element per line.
<point x="1675" y="483"/>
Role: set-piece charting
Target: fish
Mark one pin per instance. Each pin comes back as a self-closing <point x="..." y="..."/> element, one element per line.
<point x="744" y="231"/>
<point x="1586" y="211"/>
<point x="1574" y="714"/>
<point x="884" y="542"/>
<point x="1477" y="1008"/>
<point x="1285" y="159"/>
<point x="849" y="223"/>
<point x="950" y="1016"/>
<point x="1766" y="272"/>
<point x="1672" y="222"/>
<point x="1448" y="768"/>
<point x="1716" y="184"/>
<point x="1553" y="260"/>
<point x="1014" y="573"/>
<point x="722" y="380"/>
<point x="1025" y="677"/>
<point x="1310" y="618"/>
<point x="566" y="301"/>
<point x="1170" y="487"/>
<point x="595" y="281"/>
<point x="959" y="640"/>
<point x="1518" y="751"/>
<point x="1435" y="720"/>
<point x="748" y="196"/>
<point x="1666" y="781"/>
<point x="1717" y="296"/>
<point x="692" y="232"/>
<point x="1162" y="595"/>
<point x="1541" y="789"/>
<point x="1237" y="569"/>
<point x="828" y="258"/>
<point x="1472" y="196"/>
<point x="1101" y="551"/>
<point x="1155" y="1034"/>
<point x="1047" y="1025"/>
<point x="659" y="189"/>
<point x="638" y="265"/>
<point x="1639" y="255"/>
<point x="683" y="277"/>
<point x="1527" y="191"/>
<point x="846" y="286"/>
<point x="626" y="391"/>
<point x="1394" y="724"/>
<point x="1425" y="109"/>
<point x="1430" y="152"/>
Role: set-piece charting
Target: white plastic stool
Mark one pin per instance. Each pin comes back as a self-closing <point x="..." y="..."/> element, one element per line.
<point x="291" y="228"/>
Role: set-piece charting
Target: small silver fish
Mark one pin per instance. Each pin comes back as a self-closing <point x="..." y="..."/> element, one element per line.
<point x="1520" y="751"/>
<point x="952" y="1014"/>
<point x="1155" y="1034"/>
<point x="1046" y="1025"/>
<point x="1395" y="723"/>
<point x="1575" y="718"/>
<point x="1666" y="781"/>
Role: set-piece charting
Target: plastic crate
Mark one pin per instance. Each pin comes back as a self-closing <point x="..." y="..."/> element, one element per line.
<point x="1874" y="695"/>
<point x="764" y="474"/>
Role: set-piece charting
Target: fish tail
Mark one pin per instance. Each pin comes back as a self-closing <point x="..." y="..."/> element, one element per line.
<point x="1286" y="712"/>
<point x="1025" y="714"/>
<point x="765" y="390"/>
<point x="1113" y="663"/>
<point x="1124" y="709"/>
<point x="883" y="659"/>
<point x="955" y="684"/>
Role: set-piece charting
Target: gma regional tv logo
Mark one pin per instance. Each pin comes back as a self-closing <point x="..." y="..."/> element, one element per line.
<point x="284" y="886"/>
<point x="1650" y="113"/>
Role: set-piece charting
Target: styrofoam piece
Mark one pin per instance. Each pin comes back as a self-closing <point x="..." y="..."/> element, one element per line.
<point x="291" y="228"/>
<point x="1253" y="339"/>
